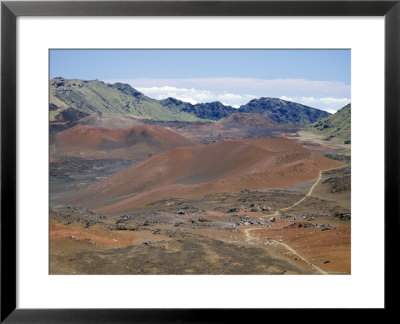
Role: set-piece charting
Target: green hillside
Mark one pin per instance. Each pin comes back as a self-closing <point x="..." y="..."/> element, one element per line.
<point x="96" y="96"/>
<point x="336" y="126"/>
<point x="70" y="99"/>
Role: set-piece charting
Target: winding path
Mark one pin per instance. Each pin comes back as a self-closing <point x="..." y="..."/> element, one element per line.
<point x="249" y="236"/>
<point x="277" y="213"/>
<point x="307" y="195"/>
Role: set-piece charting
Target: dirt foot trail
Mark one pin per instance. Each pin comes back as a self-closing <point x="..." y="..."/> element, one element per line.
<point x="303" y="258"/>
<point x="307" y="195"/>
<point x="277" y="213"/>
<point x="294" y="252"/>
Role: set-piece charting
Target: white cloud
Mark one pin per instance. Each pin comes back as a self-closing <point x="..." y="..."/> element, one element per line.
<point x="195" y="95"/>
<point x="259" y="87"/>
<point x="328" y="104"/>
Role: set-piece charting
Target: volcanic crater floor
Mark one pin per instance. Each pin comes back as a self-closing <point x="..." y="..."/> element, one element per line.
<point x="304" y="229"/>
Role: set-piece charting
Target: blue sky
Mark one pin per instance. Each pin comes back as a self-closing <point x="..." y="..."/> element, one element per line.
<point x="319" y="78"/>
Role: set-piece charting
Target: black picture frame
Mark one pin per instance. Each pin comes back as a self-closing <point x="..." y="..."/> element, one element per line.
<point x="10" y="10"/>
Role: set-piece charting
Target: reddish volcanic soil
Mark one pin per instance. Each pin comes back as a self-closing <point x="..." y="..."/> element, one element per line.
<point x="129" y="143"/>
<point x="248" y="120"/>
<point x="206" y="128"/>
<point x="235" y="126"/>
<point x="220" y="167"/>
<point x="110" y="121"/>
<point x="329" y="250"/>
<point x="236" y="120"/>
<point x="96" y="235"/>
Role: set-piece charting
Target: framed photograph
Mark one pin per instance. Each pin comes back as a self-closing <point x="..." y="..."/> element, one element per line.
<point x="189" y="160"/>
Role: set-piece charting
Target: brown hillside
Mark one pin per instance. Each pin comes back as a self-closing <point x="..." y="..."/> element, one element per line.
<point x="247" y="120"/>
<point x="135" y="142"/>
<point x="110" y="121"/>
<point x="220" y="167"/>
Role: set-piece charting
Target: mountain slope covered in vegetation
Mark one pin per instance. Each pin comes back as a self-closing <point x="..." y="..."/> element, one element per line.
<point x="336" y="126"/>
<point x="92" y="97"/>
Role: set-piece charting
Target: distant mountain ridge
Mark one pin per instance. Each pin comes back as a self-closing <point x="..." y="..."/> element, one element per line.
<point x="284" y="112"/>
<point x="212" y="110"/>
<point x="70" y="98"/>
